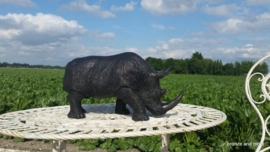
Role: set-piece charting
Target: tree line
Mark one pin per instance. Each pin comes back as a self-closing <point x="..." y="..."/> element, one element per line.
<point x="197" y="64"/>
<point x="25" y="65"/>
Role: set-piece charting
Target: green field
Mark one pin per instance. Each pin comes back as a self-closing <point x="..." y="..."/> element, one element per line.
<point x="32" y="88"/>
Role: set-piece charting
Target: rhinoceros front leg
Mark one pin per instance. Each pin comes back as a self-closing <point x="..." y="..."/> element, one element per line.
<point x="120" y="107"/>
<point x="129" y="97"/>
<point x="76" y="110"/>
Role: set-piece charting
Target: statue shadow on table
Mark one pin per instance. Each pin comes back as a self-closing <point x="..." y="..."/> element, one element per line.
<point x="109" y="109"/>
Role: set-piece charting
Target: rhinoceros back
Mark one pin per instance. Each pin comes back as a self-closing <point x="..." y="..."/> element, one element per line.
<point x="97" y="76"/>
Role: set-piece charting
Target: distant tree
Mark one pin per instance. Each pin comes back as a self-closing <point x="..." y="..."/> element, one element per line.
<point x="209" y="66"/>
<point x="245" y="66"/>
<point x="237" y="68"/>
<point x="180" y="66"/>
<point x="157" y="64"/>
<point x="192" y="66"/>
<point x="169" y="63"/>
<point x="197" y="55"/>
<point x="217" y="67"/>
<point x="228" y="69"/>
<point x="264" y="68"/>
<point x="25" y="65"/>
<point x="197" y="64"/>
<point x="5" y="64"/>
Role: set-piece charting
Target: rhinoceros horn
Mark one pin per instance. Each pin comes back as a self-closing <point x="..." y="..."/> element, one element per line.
<point x="161" y="74"/>
<point x="169" y="105"/>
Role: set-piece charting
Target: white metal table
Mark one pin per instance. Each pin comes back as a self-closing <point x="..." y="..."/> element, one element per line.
<point x="102" y="123"/>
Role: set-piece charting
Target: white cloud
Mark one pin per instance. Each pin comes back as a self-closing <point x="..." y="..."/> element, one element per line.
<point x="20" y="53"/>
<point x="33" y="39"/>
<point x="157" y="26"/>
<point x="171" y="28"/>
<point x="214" y="1"/>
<point x="81" y="5"/>
<point x="117" y="27"/>
<point x="249" y="45"/>
<point x="61" y="53"/>
<point x="228" y="26"/>
<point x="152" y="50"/>
<point x="214" y="49"/>
<point x="82" y="51"/>
<point x="38" y="29"/>
<point x="24" y="53"/>
<point x="222" y="10"/>
<point x="251" y="24"/>
<point x="108" y="35"/>
<point x="128" y="7"/>
<point x="162" y="27"/>
<point x="24" y="3"/>
<point x="258" y="2"/>
<point x="254" y="38"/>
<point x="97" y="34"/>
<point x="49" y="54"/>
<point x="131" y="49"/>
<point x="184" y="48"/>
<point x="245" y="52"/>
<point x="160" y="7"/>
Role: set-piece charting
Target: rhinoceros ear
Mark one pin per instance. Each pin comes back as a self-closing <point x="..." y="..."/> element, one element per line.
<point x="160" y="74"/>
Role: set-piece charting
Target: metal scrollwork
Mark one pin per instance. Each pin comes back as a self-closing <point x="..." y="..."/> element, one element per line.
<point x="265" y="88"/>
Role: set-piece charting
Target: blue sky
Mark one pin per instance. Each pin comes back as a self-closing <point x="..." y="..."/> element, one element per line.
<point x="53" y="32"/>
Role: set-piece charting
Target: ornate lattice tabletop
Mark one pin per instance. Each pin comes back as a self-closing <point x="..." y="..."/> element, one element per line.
<point x="101" y="123"/>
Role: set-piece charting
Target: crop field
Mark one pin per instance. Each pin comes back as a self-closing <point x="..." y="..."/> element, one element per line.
<point x="32" y="88"/>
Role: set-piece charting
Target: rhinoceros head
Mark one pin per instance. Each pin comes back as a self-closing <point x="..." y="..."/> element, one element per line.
<point x="151" y="94"/>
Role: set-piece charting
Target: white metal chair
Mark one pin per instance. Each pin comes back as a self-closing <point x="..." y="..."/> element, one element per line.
<point x="265" y="96"/>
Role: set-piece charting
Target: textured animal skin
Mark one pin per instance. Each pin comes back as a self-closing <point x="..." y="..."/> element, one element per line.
<point x="126" y="76"/>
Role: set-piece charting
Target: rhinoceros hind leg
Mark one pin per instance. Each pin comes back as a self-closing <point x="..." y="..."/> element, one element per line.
<point x="129" y="97"/>
<point x="76" y="110"/>
<point x="120" y="107"/>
